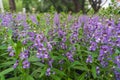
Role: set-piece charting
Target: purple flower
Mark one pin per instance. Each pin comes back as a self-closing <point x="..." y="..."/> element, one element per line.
<point x="46" y="55"/>
<point x="93" y="46"/>
<point x="50" y="62"/>
<point x="61" y="33"/>
<point x="49" y="46"/>
<point x="34" y="19"/>
<point x="56" y="20"/>
<point x="70" y="56"/>
<point x="39" y="54"/>
<point x="89" y="59"/>
<point x="11" y="53"/>
<point x="117" y="42"/>
<point x="9" y="48"/>
<point x="48" y="72"/>
<point x="24" y="55"/>
<point x="104" y="49"/>
<point x="117" y="61"/>
<point x="98" y="70"/>
<point x="117" y="75"/>
<point x="16" y="64"/>
<point x="26" y="64"/>
<point x="64" y="39"/>
<point x="63" y="45"/>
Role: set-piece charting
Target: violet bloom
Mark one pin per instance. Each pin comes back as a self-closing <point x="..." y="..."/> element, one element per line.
<point x="16" y="64"/>
<point x="56" y="20"/>
<point x="104" y="49"/>
<point x="61" y="33"/>
<point x="39" y="54"/>
<point x="9" y="48"/>
<point x="48" y="72"/>
<point x="117" y="75"/>
<point x="89" y="59"/>
<point x="50" y="62"/>
<point x="93" y="46"/>
<point x="11" y="53"/>
<point x="98" y="70"/>
<point x="104" y="63"/>
<point x="46" y="55"/>
<point x="24" y="55"/>
<point x="69" y="17"/>
<point x="118" y="61"/>
<point x="26" y="64"/>
<point x="49" y="46"/>
<point x="117" y="42"/>
<point x="64" y="39"/>
<point x="70" y="56"/>
<point x="34" y="19"/>
<point x="63" y="45"/>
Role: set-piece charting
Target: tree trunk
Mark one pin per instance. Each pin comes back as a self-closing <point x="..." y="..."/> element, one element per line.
<point x="96" y="5"/>
<point x="12" y="5"/>
<point x="1" y="6"/>
<point x="83" y="6"/>
<point x="77" y="5"/>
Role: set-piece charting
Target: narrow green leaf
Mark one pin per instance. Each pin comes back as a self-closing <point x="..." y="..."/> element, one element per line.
<point x="94" y="71"/>
<point x="43" y="71"/>
<point x="2" y="47"/>
<point x="83" y="68"/>
<point x="75" y="63"/>
<point x="2" y="77"/>
<point x="6" y="71"/>
<point x="82" y="76"/>
<point x="30" y="77"/>
<point x="14" y="78"/>
<point x="59" y="72"/>
<point x="55" y="77"/>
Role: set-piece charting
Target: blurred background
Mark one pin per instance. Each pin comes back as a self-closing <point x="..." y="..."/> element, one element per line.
<point x="74" y="6"/>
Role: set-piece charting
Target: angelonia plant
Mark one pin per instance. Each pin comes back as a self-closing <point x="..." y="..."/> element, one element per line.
<point x="59" y="47"/>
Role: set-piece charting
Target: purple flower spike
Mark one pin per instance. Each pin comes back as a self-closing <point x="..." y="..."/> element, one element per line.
<point x="16" y="64"/>
<point x="39" y="55"/>
<point x="26" y="64"/>
<point x="89" y="59"/>
<point x="9" y="48"/>
<point x="24" y="55"/>
<point x="48" y="72"/>
<point x="98" y="70"/>
<point x="49" y="46"/>
<point x="56" y="20"/>
<point x="70" y="56"/>
<point x="11" y="53"/>
<point x="46" y="55"/>
<point x="93" y="46"/>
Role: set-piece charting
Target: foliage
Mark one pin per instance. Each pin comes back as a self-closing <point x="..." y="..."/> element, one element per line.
<point x="59" y="47"/>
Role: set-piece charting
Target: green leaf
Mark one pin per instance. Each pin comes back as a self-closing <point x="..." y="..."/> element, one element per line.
<point x="94" y="71"/>
<point x="59" y="72"/>
<point x="14" y="78"/>
<point x="30" y="77"/>
<point x="6" y="71"/>
<point x="69" y="79"/>
<point x="55" y="77"/>
<point x="75" y="63"/>
<point x="43" y="71"/>
<point x="83" y="68"/>
<point x="2" y="77"/>
<point x="33" y="58"/>
<point x="2" y="47"/>
<point x="7" y="63"/>
<point x="81" y="77"/>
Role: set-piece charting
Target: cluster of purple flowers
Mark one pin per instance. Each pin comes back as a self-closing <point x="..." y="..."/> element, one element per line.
<point x="42" y="50"/>
<point x="100" y="35"/>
